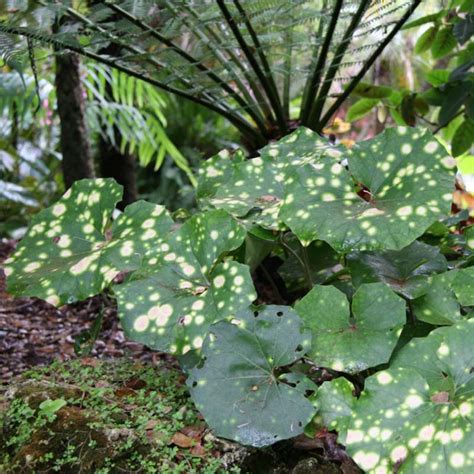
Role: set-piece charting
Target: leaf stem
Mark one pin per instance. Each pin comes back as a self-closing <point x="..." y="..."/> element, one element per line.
<point x="335" y="276"/>
<point x="270" y="280"/>
<point x="304" y="264"/>
<point x="274" y="99"/>
<point x="312" y="84"/>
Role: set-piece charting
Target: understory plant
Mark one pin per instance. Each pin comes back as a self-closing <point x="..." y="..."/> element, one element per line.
<point x="316" y="287"/>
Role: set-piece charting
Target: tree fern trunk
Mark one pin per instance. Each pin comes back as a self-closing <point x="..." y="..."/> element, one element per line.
<point x="113" y="162"/>
<point x="74" y="142"/>
<point x="120" y="166"/>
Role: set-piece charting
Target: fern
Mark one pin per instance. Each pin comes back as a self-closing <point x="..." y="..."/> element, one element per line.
<point x="245" y="59"/>
<point x="12" y="53"/>
<point x="141" y="124"/>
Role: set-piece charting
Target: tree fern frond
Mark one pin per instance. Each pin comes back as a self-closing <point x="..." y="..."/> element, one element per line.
<point x="12" y="53"/>
<point x="245" y="59"/>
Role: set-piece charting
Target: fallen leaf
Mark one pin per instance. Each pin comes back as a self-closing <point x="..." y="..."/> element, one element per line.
<point x="194" y="431"/>
<point x="90" y="362"/>
<point x="151" y="424"/>
<point x="124" y="392"/>
<point x="135" y="384"/>
<point x="181" y="440"/>
<point x="198" y="450"/>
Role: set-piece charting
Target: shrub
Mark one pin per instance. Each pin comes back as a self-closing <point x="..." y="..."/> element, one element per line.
<point x="364" y="259"/>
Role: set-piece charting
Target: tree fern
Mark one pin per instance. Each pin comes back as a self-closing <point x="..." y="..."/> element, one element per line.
<point x="245" y="59"/>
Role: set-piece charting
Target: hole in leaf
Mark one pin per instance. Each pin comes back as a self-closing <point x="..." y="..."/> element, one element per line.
<point x="194" y="384"/>
<point x="280" y="313"/>
<point x="308" y="393"/>
<point x="255" y="313"/>
<point x="299" y="348"/>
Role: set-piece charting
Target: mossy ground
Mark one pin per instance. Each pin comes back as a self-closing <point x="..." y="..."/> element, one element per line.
<point x="104" y="417"/>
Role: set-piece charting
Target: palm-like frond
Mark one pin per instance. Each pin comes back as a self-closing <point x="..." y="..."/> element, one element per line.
<point x="245" y="59"/>
<point x="135" y="110"/>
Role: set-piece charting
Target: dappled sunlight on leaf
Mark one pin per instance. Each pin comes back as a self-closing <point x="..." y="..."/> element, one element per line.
<point x="182" y="287"/>
<point x="408" y="188"/>
<point x="70" y="253"/>
<point x="419" y="414"/>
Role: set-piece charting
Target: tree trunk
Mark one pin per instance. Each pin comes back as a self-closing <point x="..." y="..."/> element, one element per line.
<point x="75" y="146"/>
<point x="112" y="162"/>
<point x="120" y="166"/>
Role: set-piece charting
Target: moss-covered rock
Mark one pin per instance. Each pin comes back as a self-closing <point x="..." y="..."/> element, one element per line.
<point x="96" y="416"/>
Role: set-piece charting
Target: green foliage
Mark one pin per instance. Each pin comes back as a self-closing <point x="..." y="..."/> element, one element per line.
<point x="352" y="340"/>
<point x="446" y="40"/>
<point x="406" y="271"/>
<point x="71" y="251"/>
<point x="362" y="243"/>
<point x="245" y="60"/>
<point x="120" y="416"/>
<point x="418" y="414"/>
<point x="185" y="285"/>
<point x="134" y="109"/>
<point x="258" y="404"/>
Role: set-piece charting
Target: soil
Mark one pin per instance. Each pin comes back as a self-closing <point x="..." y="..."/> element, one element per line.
<point x="34" y="333"/>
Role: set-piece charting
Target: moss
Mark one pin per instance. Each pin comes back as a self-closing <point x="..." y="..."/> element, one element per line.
<point x="115" y="416"/>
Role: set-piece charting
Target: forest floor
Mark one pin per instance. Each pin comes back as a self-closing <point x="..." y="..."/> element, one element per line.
<point x="34" y="333"/>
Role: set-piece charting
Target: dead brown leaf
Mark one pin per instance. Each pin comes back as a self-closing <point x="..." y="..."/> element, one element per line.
<point x="183" y="441"/>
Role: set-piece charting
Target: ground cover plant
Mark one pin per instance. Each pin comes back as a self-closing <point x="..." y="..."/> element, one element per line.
<point x="103" y="417"/>
<point x="370" y="276"/>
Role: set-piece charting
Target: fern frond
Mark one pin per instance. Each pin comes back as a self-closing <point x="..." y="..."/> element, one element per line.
<point x="245" y="59"/>
<point x="12" y="53"/>
<point x="141" y="124"/>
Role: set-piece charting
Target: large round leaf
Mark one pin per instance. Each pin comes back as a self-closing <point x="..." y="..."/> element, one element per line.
<point x="352" y="343"/>
<point x="406" y="189"/>
<point x="463" y="286"/>
<point x="239" y="388"/>
<point x="254" y="189"/>
<point x="183" y="286"/>
<point x="419" y="416"/>
<point x="69" y="253"/>
<point x="405" y="271"/>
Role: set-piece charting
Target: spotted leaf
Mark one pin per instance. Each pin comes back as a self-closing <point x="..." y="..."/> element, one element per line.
<point x="70" y="252"/>
<point x="419" y="415"/>
<point x="334" y="400"/>
<point x="254" y="188"/>
<point x="352" y="343"/>
<point x="239" y="387"/>
<point x="403" y="188"/>
<point x="184" y="285"/>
